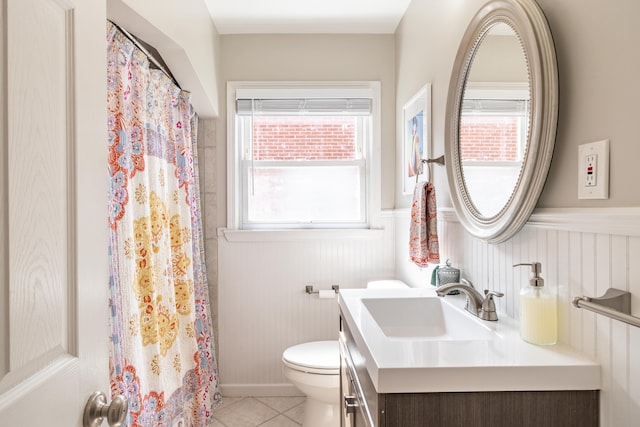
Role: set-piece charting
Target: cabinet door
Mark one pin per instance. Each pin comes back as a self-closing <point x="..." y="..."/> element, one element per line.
<point x="359" y="419"/>
<point x="353" y="411"/>
<point x="353" y="408"/>
<point x="347" y="418"/>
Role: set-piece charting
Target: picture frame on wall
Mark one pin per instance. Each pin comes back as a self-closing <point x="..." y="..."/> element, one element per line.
<point x="416" y="139"/>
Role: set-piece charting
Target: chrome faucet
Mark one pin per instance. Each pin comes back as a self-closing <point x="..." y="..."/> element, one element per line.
<point x="483" y="307"/>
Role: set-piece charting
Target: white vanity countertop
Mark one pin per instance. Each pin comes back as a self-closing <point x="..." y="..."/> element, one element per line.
<point x="504" y="362"/>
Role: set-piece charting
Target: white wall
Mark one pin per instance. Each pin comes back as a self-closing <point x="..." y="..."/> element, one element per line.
<point x="263" y="305"/>
<point x="576" y="261"/>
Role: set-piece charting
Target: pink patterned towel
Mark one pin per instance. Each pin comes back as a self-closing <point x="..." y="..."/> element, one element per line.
<point x="423" y="232"/>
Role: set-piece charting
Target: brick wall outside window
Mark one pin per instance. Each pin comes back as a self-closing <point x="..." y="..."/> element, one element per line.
<point x="487" y="138"/>
<point x="333" y="138"/>
<point x="304" y="138"/>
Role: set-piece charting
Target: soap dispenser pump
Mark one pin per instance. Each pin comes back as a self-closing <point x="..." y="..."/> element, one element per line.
<point x="538" y="310"/>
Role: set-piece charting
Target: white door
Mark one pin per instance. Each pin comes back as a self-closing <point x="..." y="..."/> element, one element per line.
<point x="53" y="214"/>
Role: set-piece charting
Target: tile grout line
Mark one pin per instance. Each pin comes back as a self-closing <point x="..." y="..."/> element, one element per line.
<point x="259" y="399"/>
<point x="279" y="413"/>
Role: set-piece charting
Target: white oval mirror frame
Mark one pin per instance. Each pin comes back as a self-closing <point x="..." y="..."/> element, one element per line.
<point x="528" y="21"/>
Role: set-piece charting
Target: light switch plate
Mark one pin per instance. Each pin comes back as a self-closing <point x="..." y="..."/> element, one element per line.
<point x="593" y="170"/>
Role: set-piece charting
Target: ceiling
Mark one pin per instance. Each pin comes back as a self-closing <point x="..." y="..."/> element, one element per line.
<point x="307" y="16"/>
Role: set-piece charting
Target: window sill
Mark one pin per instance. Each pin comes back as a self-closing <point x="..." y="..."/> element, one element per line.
<point x="232" y="235"/>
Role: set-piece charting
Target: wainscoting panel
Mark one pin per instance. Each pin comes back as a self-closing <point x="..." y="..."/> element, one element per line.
<point x="583" y="252"/>
<point x="264" y="309"/>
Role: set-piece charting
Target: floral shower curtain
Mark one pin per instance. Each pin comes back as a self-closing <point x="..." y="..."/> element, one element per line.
<point x="162" y="350"/>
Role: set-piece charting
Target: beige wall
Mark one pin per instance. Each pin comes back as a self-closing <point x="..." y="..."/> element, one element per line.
<point x="598" y="58"/>
<point x="426" y="44"/>
<point x="314" y="58"/>
<point x="598" y="61"/>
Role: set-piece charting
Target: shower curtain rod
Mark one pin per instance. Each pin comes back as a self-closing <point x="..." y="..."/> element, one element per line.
<point x="148" y="54"/>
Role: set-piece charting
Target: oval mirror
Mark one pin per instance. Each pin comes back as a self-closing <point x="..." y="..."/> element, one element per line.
<point x="501" y="118"/>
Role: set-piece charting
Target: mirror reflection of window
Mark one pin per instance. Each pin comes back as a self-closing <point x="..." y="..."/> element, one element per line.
<point x="494" y="120"/>
<point x="493" y="138"/>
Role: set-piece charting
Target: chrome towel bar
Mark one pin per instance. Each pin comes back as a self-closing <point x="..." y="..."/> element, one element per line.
<point x="614" y="303"/>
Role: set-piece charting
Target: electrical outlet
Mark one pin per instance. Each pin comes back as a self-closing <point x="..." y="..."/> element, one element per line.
<point x="593" y="170"/>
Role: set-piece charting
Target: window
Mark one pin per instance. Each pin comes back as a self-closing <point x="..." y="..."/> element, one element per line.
<point x="303" y="157"/>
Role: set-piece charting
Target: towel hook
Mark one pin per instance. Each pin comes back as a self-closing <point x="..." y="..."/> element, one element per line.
<point x="437" y="160"/>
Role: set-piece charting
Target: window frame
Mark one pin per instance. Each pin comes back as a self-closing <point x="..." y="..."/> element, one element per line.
<point x="265" y="89"/>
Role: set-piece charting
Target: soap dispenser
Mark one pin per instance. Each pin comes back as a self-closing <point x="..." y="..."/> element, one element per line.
<point x="538" y="310"/>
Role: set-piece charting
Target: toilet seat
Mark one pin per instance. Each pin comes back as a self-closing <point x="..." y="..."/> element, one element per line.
<point x="318" y="357"/>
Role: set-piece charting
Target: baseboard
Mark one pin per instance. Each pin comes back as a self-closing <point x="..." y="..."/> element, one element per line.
<point x="246" y="390"/>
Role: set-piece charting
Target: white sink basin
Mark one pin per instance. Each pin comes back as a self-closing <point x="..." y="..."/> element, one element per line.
<point x="412" y="341"/>
<point x="424" y="318"/>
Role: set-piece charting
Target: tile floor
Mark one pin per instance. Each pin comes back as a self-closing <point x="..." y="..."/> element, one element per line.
<point x="259" y="411"/>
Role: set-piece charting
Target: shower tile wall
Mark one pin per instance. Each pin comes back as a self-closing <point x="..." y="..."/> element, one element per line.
<point x="208" y="181"/>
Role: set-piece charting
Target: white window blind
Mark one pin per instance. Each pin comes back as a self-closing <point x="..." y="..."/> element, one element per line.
<point x="312" y="106"/>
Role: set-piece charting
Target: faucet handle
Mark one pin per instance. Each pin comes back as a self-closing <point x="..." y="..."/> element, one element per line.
<point x="490" y="294"/>
<point x="488" y="310"/>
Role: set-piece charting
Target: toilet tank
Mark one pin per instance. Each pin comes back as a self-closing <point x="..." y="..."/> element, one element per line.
<point x="386" y="284"/>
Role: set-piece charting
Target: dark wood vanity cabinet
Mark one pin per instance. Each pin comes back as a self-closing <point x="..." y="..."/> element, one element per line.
<point x="362" y="406"/>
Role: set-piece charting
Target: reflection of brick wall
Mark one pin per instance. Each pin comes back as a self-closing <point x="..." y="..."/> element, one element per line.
<point x="304" y="138"/>
<point x="489" y="138"/>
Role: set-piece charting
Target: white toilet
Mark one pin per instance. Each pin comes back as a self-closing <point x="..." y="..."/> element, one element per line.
<point x="314" y="368"/>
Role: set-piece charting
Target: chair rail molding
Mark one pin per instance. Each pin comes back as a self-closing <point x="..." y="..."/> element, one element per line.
<point x="617" y="221"/>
